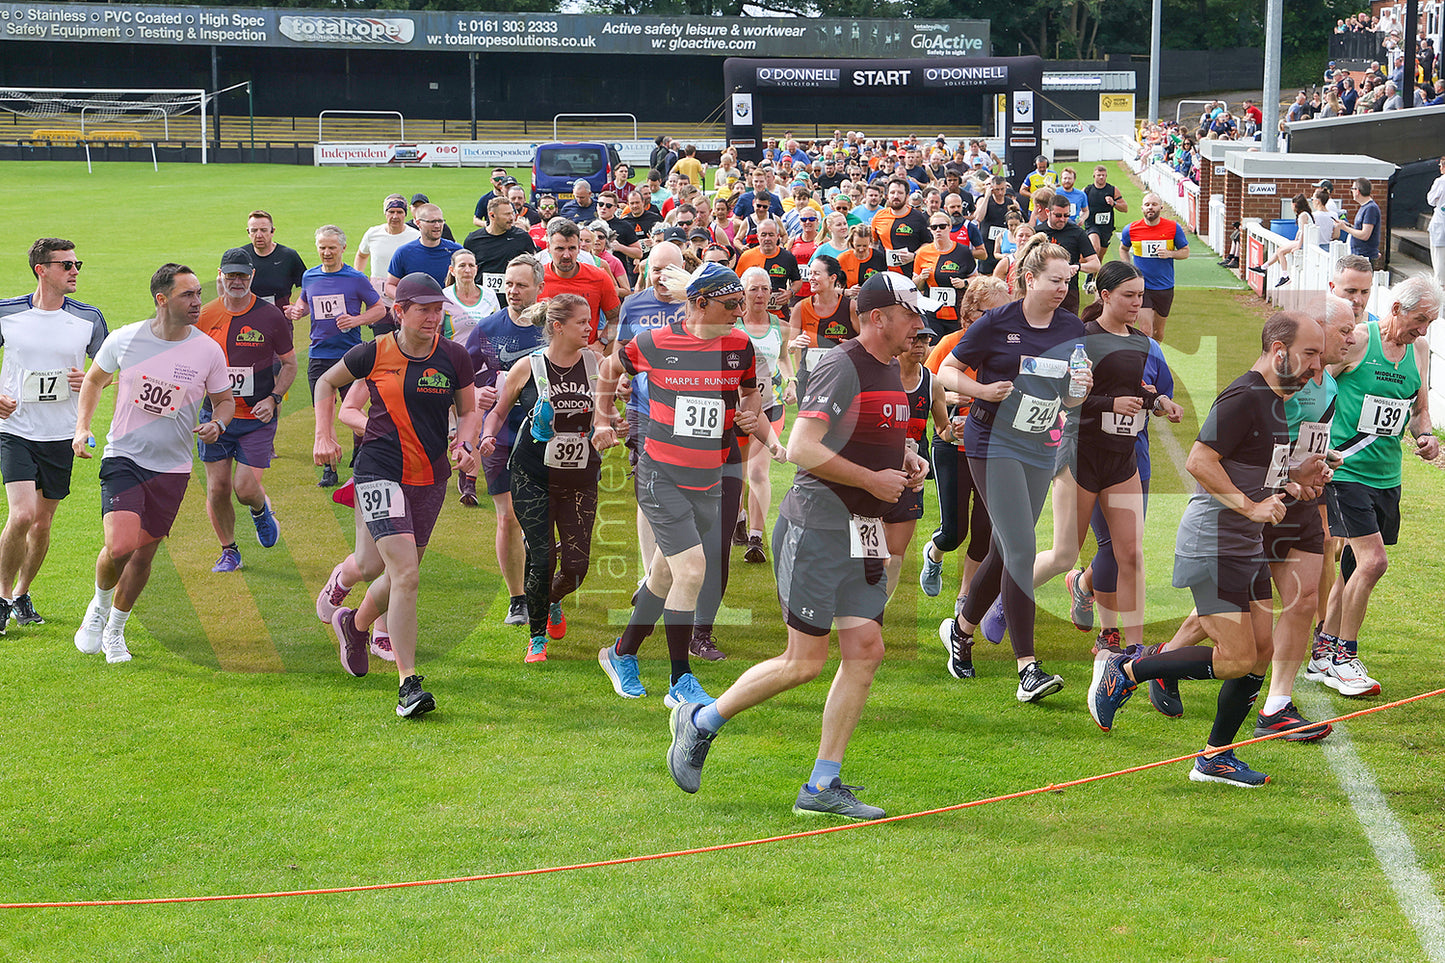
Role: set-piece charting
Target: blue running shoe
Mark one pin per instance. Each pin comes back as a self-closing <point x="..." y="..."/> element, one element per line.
<point x="230" y="561"/>
<point x="930" y="578"/>
<point x="993" y="625"/>
<point x="1109" y="689"/>
<point x="1228" y="769"/>
<point x="687" y="689"/>
<point x="267" y="528"/>
<point x="622" y="670"/>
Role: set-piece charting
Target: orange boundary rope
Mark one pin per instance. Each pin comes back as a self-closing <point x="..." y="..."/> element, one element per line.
<point x="627" y="860"/>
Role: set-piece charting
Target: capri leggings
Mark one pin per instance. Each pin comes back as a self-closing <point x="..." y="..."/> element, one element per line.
<point x="1105" y="570"/>
<point x="1008" y="568"/>
<point x="718" y="543"/>
<point x="955" y="489"/>
<point x="555" y="569"/>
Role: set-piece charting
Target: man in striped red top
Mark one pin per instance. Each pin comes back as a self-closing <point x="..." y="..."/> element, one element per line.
<point x="699" y="373"/>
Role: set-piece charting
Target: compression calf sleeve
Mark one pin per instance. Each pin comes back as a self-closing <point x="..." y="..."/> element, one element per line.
<point x="678" y="626"/>
<point x="1236" y="699"/>
<point x="645" y="613"/>
<point x="1189" y="662"/>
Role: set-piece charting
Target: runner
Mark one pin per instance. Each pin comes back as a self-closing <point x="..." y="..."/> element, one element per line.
<point x="899" y="229"/>
<point x="828" y="548"/>
<point x="775" y="369"/>
<point x="1382" y="390"/>
<point x="165" y="369"/>
<point x="495" y="345"/>
<point x="467" y="304"/>
<point x="925" y="397"/>
<point x="1241" y="461"/>
<point x="862" y="260"/>
<point x="950" y="466"/>
<point x="261" y="365"/>
<point x="826" y="319"/>
<point x="340" y="299"/>
<point x="415" y="378"/>
<point x="942" y="269"/>
<point x="1104" y="201"/>
<point x="379" y="243"/>
<point x="1152" y="245"/>
<point x="46" y="336"/>
<point x="555" y="465"/>
<point x="781" y="265"/>
<point x="566" y="274"/>
<point x="1021" y="354"/>
<point x="700" y="372"/>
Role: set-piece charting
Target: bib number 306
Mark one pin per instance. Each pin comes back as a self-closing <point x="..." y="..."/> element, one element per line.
<point x="379" y="500"/>
<point x="158" y="397"/>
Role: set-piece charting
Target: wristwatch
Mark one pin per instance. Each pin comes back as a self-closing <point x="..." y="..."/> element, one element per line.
<point x="276" y="398"/>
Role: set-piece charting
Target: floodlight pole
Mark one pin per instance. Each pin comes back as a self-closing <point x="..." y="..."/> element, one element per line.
<point x="251" y="110"/>
<point x="216" y="85"/>
<point x="1273" y="40"/>
<point x="472" y="66"/>
<point x="1155" y="45"/>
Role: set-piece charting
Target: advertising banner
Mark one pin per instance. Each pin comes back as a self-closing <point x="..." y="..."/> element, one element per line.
<point x="478" y="32"/>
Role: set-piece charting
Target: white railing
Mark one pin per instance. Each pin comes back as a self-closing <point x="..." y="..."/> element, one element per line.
<point x="400" y="120"/>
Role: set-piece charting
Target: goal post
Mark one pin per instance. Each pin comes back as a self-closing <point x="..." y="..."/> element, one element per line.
<point x="83" y="114"/>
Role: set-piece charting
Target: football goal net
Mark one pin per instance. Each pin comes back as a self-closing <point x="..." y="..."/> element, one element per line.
<point x="81" y="115"/>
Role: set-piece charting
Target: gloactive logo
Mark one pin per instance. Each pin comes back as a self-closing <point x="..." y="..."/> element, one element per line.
<point x="367" y="30"/>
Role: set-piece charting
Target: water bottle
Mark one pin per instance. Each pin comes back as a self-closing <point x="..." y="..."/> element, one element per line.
<point x="542" y="416"/>
<point x="1078" y="361"/>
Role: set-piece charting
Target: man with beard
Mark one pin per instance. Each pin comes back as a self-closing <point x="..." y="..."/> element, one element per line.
<point x="899" y="229"/>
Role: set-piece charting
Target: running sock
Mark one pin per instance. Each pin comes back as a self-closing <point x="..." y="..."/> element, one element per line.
<point x="258" y="512"/>
<point x="824" y="772"/>
<point x="678" y="626"/>
<point x="115" y="625"/>
<point x="1323" y="643"/>
<point x="708" y="719"/>
<point x="755" y="533"/>
<point x="1275" y="704"/>
<point x="1351" y="647"/>
<point x="1189" y="662"/>
<point x="1236" y="698"/>
<point x="232" y="545"/>
<point x="103" y="597"/>
<point x="645" y="613"/>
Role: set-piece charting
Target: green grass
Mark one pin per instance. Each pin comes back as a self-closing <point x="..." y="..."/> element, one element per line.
<point x="233" y="755"/>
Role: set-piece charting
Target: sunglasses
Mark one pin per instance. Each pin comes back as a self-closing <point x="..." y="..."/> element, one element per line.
<point x="67" y="265"/>
<point x="732" y="304"/>
<point x="808" y="220"/>
<point x="682" y="223"/>
<point x="939" y="227"/>
<point x="606" y="205"/>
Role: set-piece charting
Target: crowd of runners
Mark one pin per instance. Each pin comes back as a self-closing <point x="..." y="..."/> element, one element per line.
<point x="683" y="331"/>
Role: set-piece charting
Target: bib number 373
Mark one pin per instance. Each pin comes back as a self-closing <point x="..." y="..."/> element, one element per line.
<point x="865" y="538"/>
<point x="379" y="500"/>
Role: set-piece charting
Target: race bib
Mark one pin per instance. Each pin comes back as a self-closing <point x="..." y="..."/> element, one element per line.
<point x="946" y="296"/>
<point x="1313" y="439"/>
<point x="493" y="282"/>
<point x="380" y="499"/>
<point x="1104" y="218"/>
<point x="1278" y="472"/>
<point x="1117" y="424"/>
<point x="895" y="257"/>
<point x="812" y="356"/>
<point x="1043" y="367"/>
<point x="243" y="382"/>
<point x="697" y="417"/>
<point x="566" y="450"/>
<point x="1153" y="248"/>
<point x="994" y="233"/>
<point x="1383" y="416"/>
<point x="158" y="397"/>
<point x="44" y="386"/>
<point x="328" y="307"/>
<point x="865" y="538"/>
<point x="1036" y="415"/>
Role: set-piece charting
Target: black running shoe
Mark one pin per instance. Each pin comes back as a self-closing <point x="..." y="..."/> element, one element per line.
<point x="960" y="650"/>
<point x="24" y="611"/>
<point x="517" y="611"/>
<point x="328" y="478"/>
<point x="1164" y="696"/>
<point x="1035" y="683"/>
<point x="1287" y="719"/>
<point x="740" y="532"/>
<point x="412" y="700"/>
<point x="7" y="611"/>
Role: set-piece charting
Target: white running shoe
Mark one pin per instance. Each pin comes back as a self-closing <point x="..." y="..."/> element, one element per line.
<point x="1318" y="667"/>
<point x="114" y="645"/>
<point x="88" y="636"/>
<point x="332" y="596"/>
<point x="1348" y="677"/>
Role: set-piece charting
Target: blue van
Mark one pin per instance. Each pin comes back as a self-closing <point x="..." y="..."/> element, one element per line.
<point x="557" y="166"/>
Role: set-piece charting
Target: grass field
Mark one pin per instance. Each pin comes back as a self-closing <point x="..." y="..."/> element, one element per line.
<point x="234" y="756"/>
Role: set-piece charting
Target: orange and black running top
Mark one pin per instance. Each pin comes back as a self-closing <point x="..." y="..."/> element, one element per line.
<point x="406" y="431"/>
<point x="693" y="386"/>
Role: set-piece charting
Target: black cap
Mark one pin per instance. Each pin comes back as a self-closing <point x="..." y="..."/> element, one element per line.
<point x="675" y="234"/>
<point x="237" y="261"/>
<point x="420" y="199"/>
<point x="419" y="288"/>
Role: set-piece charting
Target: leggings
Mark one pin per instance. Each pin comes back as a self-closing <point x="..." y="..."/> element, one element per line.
<point x="955" y="484"/>
<point x="718" y="545"/>
<point x="1014" y="494"/>
<point x="1105" y="569"/>
<point x="539" y="509"/>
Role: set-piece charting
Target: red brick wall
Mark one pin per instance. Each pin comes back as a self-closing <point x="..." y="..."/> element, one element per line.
<point x="1239" y="205"/>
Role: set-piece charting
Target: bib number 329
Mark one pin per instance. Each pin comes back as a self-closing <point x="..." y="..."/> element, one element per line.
<point x="380" y="499"/>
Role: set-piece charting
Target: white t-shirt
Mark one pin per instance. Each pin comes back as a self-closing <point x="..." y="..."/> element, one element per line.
<point x="159" y="392"/>
<point x="40" y="349"/>
<point x="381" y="246"/>
<point x="465" y="318"/>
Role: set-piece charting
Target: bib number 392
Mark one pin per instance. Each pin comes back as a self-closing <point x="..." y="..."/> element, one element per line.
<point x="566" y="450"/>
<point x="865" y="538"/>
<point x="43" y="386"/>
<point x="698" y="417"/>
<point x="380" y="499"/>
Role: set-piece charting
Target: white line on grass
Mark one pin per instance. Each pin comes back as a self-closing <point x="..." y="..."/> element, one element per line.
<point x="1414" y="889"/>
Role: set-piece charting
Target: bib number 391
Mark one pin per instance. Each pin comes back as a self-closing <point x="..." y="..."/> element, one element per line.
<point x="566" y="450"/>
<point x="698" y="417"/>
<point x="43" y="386"/>
<point x="865" y="538"/>
<point x="381" y="499"/>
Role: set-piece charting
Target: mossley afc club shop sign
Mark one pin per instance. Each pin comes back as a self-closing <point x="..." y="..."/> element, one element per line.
<point x="492" y="32"/>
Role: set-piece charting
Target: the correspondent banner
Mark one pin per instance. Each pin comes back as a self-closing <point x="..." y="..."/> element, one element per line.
<point x="491" y="32"/>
